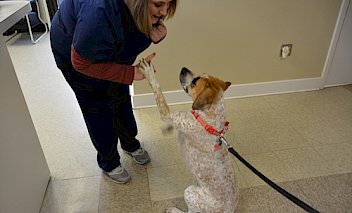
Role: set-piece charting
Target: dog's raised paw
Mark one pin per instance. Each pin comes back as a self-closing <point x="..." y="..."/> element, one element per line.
<point x="146" y="68"/>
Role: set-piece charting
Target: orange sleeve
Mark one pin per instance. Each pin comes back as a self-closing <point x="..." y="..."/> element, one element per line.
<point x="119" y="73"/>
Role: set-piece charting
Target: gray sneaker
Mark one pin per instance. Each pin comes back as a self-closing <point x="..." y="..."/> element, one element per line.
<point x="140" y="156"/>
<point x="118" y="175"/>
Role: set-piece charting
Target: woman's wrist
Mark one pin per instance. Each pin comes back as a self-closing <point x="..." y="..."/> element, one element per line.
<point x="138" y="75"/>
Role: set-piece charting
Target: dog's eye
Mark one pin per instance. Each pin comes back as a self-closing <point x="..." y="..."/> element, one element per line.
<point x="194" y="81"/>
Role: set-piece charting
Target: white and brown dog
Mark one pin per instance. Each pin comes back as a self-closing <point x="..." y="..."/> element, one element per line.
<point x="216" y="191"/>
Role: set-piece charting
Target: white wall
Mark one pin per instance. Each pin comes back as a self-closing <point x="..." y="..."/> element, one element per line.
<point x="24" y="173"/>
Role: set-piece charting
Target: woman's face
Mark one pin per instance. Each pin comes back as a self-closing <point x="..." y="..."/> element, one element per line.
<point x="158" y="9"/>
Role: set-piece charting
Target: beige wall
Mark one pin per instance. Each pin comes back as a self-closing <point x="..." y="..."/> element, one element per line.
<point x="239" y="40"/>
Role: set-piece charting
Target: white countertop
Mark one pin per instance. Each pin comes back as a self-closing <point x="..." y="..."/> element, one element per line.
<point x="11" y="12"/>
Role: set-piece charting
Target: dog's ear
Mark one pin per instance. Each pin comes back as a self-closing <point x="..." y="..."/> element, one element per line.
<point x="226" y="85"/>
<point x="220" y="83"/>
<point x="206" y="97"/>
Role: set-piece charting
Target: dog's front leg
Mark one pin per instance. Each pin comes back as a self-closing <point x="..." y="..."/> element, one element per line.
<point x="148" y="70"/>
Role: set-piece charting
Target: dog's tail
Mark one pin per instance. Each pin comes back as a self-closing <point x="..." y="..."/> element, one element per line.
<point x="167" y="129"/>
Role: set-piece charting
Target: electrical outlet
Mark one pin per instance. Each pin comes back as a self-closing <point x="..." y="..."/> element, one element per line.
<point x="285" y="50"/>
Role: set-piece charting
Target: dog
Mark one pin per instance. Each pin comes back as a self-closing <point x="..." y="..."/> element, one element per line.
<point x="208" y="161"/>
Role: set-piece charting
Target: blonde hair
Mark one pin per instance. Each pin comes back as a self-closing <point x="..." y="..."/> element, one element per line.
<point x="140" y="13"/>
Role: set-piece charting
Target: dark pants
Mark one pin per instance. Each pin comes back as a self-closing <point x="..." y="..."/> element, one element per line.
<point x="107" y="111"/>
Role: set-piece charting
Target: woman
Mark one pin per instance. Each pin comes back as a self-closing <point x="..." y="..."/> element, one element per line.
<point x="95" y="44"/>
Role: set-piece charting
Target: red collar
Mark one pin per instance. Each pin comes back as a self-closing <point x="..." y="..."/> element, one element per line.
<point x="209" y="128"/>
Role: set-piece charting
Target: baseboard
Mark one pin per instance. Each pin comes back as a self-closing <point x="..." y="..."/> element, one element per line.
<point x="235" y="91"/>
<point x="337" y="85"/>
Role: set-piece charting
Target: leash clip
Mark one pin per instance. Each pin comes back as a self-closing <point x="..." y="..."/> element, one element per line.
<point x="222" y="140"/>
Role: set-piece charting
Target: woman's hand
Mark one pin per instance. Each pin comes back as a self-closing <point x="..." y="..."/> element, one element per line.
<point x="138" y="75"/>
<point x="159" y="32"/>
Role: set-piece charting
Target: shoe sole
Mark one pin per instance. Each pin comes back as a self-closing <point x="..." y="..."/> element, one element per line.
<point x="116" y="181"/>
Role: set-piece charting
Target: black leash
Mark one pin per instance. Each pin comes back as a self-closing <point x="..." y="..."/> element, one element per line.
<point x="282" y="191"/>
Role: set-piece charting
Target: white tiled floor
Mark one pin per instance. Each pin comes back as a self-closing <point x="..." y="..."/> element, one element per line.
<point x="292" y="137"/>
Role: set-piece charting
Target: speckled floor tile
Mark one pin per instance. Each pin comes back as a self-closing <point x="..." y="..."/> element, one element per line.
<point x="311" y="108"/>
<point x="164" y="153"/>
<point x="325" y="194"/>
<point x="74" y="164"/>
<point x="271" y="201"/>
<point x="160" y="206"/>
<point x="337" y="155"/>
<point x="302" y="163"/>
<point x="323" y="133"/>
<point x="169" y="182"/>
<point x="131" y="197"/>
<point x="267" y="163"/>
<point x="248" y="201"/>
<point x="72" y="195"/>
